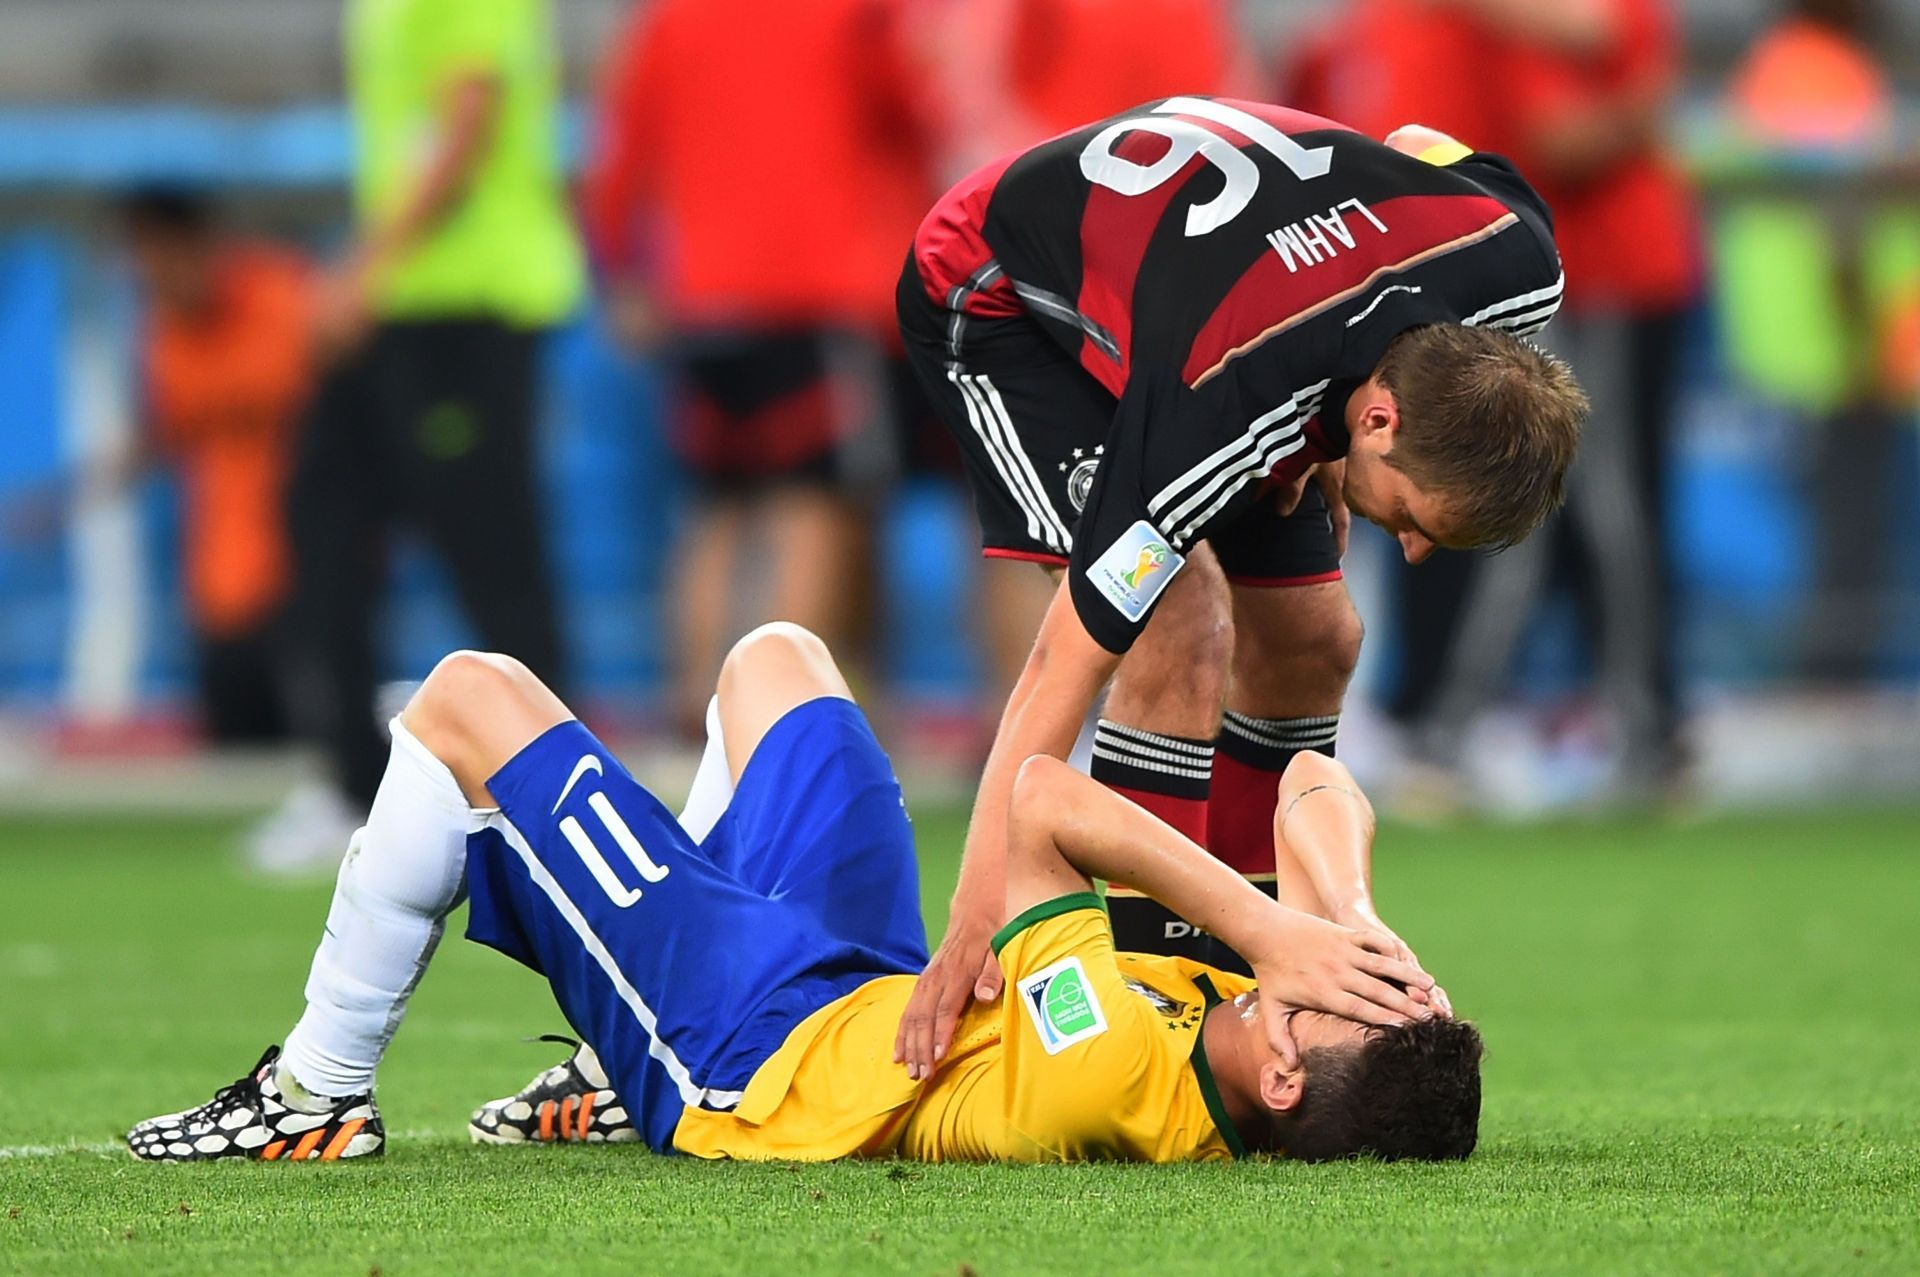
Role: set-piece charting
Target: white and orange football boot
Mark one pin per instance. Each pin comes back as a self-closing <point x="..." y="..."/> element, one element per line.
<point x="250" y="1118"/>
<point x="572" y="1102"/>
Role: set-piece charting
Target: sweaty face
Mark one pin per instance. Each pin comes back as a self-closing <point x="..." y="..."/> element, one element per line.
<point x="1383" y="495"/>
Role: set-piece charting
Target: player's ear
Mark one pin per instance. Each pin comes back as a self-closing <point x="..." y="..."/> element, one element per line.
<point x="1373" y="415"/>
<point x="1280" y="1086"/>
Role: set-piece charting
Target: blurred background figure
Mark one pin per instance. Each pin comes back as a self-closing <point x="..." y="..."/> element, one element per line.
<point x="757" y="170"/>
<point x="1577" y="95"/>
<point x="463" y="252"/>
<point x="1821" y="302"/>
<point x="224" y="371"/>
<point x="752" y="175"/>
<point x="1019" y="71"/>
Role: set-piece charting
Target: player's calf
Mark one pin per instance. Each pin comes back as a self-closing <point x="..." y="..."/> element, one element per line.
<point x="1154" y="744"/>
<point x="402" y="875"/>
<point x="1297" y="649"/>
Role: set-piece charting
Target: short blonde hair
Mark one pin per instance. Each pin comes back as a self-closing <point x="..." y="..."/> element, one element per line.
<point x="1488" y="423"/>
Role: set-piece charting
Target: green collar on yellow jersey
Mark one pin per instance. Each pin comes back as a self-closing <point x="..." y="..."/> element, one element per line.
<point x="1203" y="1073"/>
<point x="1041" y="912"/>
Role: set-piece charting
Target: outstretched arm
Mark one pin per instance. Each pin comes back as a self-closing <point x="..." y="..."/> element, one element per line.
<point x="1325" y="824"/>
<point x="1062" y="677"/>
<point x="1065" y="829"/>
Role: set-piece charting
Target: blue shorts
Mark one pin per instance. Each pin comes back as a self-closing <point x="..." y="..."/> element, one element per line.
<point x="686" y="965"/>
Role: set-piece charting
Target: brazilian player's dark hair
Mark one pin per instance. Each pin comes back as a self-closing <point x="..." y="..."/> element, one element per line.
<point x="1409" y="1091"/>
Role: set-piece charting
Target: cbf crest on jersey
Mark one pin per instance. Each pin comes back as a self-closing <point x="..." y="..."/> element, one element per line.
<point x="1135" y="569"/>
<point x="1062" y="1005"/>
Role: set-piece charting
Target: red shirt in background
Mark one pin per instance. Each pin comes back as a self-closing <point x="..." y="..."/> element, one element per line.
<point x="762" y="162"/>
<point x="224" y="389"/>
<point x="1385" y="63"/>
<point x="1070" y="62"/>
<point x="1629" y="234"/>
<point x="1019" y="71"/>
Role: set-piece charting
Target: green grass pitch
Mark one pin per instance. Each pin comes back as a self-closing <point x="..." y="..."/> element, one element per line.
<point x="1704" y="1059"/>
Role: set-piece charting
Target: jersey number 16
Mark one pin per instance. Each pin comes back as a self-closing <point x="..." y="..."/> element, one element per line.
<point x="1101" y="166"/>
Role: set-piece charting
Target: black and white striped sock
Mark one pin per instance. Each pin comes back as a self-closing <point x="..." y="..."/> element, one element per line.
<point x="1134" y="758"/>
<point x="1170" y="776"/>
<point x="1270" y="743"/>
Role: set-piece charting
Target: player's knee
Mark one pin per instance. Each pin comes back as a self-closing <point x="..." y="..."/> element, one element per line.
<point x="1037" y="792"/>
<point x="1196" y="634"/>
<point x="1208" y="635"/>
<point x="780" y="640"/>
<point x="1339" y="639"/>
<point x="464" y="690"/>
<point x="1324" y="645"/>
<point x="779" y="651"/>
<point x="1197" y="612"/>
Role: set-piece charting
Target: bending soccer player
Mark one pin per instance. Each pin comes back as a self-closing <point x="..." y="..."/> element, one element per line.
<point x="1176" y="347"/>
<point x="739" y="972"/>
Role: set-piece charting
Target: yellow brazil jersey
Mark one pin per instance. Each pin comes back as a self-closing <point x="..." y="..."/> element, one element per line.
<point x="1088" y="1055"/>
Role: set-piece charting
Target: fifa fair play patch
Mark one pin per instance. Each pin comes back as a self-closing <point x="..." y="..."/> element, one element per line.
<point x="1062" y="1005"/>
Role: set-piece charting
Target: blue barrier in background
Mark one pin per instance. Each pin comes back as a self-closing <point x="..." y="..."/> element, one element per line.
<point x="33" y="579"/>
<point x="1742" y="536"/>
<point x="613" y="498"/>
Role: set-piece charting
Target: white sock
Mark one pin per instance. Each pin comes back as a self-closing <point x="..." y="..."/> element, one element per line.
<point x="712" y="782"/>
<point x="402" y="876"/>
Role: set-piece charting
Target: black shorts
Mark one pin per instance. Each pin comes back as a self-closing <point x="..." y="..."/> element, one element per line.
<point x="764" y="406"/>
<point x="1031" y="426"/>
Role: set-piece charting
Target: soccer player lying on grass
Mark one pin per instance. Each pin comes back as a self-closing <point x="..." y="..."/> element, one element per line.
<point x="740" y="971"/>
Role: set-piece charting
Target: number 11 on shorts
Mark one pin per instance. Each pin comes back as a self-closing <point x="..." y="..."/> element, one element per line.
<point x="624" y="838"/>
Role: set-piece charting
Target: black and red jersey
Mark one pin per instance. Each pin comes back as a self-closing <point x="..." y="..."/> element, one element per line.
<point x="1225" y="269"/>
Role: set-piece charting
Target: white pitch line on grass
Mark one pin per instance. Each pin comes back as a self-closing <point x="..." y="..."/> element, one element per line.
<point x="56" y="1150"/>
<point x="24" y="1151"/>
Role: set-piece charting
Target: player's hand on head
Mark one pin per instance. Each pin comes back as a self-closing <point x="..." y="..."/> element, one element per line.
<point x="1312" y="964"/>
<point x="963" y="970"/>
<point x="1363" y="917"/>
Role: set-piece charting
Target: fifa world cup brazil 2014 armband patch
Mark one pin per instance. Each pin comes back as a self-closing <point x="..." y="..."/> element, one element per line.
<point x="1062" y="1005"/>
<point x="1135" y="569"/>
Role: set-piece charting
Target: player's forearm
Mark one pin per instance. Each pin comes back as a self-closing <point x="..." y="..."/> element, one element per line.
<point x="465" y="132"/>
<point x="1326" y="822"/>
<point x="1067" y="828"/>
<point x="1036" y="722"/>
<point x="1063" y="675"/>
